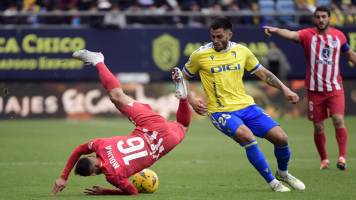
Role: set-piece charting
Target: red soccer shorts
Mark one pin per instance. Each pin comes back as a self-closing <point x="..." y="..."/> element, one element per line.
<point x="321" y="105"/>
<point x="144" y="117"/>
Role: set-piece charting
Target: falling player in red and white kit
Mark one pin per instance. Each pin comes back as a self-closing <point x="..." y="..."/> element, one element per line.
<point x="120" y="157"/>
<point x="322" y="47"/>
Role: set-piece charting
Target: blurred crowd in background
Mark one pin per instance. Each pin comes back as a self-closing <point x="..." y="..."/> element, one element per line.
<point x="192" y="13"/>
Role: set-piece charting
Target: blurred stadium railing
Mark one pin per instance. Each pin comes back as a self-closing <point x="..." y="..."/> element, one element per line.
<point x="123" y="19"/>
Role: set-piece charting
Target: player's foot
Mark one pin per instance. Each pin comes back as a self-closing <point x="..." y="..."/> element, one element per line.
<point x="324" y="164"/>
<point x="277" y="186"/>
<point x="181" y="88"/>
<point x="291" y="180"/>
<point x="341" y="163"/>
<point x="88" y="57"/>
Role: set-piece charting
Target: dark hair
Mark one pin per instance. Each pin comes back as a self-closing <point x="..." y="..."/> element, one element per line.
<point x="322" y="9"/>
<point x="221" y="22"/>
<point x="84" y="167"/>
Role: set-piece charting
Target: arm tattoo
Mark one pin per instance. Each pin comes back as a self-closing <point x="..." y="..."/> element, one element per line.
<point x="273" y="81"/>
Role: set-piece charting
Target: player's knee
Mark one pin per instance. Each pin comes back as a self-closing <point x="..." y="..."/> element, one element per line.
<point x="243" y="135"/>
<point x="116" y="95"/>
<point x="283" y="139"/>
<point x="338" y="121"/>
<point x="319" y="128"/>
<point x="277" y="136"/>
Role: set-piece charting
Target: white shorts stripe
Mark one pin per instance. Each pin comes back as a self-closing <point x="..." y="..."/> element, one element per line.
<point x="329" y="65"/>
<point x="312" y="62"/>
<point x="320" y="65"/>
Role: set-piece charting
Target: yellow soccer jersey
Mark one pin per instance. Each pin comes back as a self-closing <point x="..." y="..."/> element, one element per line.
<point x="221" y="75"/>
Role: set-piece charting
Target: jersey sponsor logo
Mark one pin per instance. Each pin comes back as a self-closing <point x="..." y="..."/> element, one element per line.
<point x="326" y="53"/>
<point x="325" y="62"/>
<point x="224" y="68"/>
<point x="156" y="143"/>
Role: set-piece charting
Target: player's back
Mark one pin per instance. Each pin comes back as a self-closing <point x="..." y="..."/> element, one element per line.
<point x="122" y="156"/>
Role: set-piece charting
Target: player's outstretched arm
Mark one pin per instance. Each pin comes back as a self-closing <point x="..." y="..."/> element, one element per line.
<point x="99" y="190"/>
<point x="285" y="33"/>
<point x="268" y="77"/>
<point x="351" y="56"/>
<point x="61" y="182"/>
<point x="198" y="104"/>
<point x="123" y="187"/>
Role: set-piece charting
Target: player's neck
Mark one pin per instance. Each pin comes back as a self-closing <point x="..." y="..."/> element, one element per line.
<point x="224" y="49"/>
<point x="322" y="31"/>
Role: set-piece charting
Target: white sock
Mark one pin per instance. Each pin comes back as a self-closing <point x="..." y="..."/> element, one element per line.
<point x="97" y="59"/>
<point x="283" y="173"/>
<point x="273" y="182"/>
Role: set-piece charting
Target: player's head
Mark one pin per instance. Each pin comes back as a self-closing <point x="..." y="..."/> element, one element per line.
<point x="220" y="33"/>
<point x="87" y="166"/>
<point x="321" y="17"/>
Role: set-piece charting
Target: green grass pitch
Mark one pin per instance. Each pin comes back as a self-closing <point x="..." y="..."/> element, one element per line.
<point x="207" y="165"/>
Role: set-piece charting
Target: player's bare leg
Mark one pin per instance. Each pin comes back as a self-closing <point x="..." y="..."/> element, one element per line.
<point x="108" y="80"/>
<point x="279" y="138"/>
<point x="341" y="138"/>
<point x="320" y="144"/>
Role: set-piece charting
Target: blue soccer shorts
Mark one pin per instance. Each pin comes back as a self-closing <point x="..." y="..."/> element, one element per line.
<point x="253" y="117"/>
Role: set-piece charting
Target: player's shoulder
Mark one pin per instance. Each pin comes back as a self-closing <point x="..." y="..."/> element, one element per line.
<point x="204" y="48"/>
<point x="239" y="47"/>
<point x="235" y="45"/>
<point x="335" y="31"/>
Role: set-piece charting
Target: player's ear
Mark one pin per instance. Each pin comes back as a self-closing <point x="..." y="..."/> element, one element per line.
<point x="230" y="34"/>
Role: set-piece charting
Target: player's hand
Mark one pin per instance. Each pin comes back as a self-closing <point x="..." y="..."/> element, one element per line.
<point x="291" y="96"/>
<point x="95" y="190"/>
<point x="59" y="185"/>
<point x="269" y="30"/>
<point x="200" y="106"/>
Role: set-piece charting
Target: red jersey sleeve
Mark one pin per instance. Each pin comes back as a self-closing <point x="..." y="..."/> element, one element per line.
<point x="74" y="157"/>
<point x="302" y="35"/>
<point x="343" y="38"/>
<point x="126" y="187"/>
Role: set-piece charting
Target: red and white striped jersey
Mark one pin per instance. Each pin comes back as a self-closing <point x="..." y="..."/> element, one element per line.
<point x="322" y="52"/>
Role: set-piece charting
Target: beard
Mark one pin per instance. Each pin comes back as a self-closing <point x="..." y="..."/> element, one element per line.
<point x="223" y="45"/>
<point x="323" y="28"/>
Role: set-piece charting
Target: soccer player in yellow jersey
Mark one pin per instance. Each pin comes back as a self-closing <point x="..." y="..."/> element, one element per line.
<point x="221" y="65"/>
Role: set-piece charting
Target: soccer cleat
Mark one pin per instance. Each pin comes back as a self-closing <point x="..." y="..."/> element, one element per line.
<point x="279" y="187"/>
<point x="341" y="163"/>
<point x="324" y="164"/>
<point x="291" y="180"/>
<point x="181" y="88"/>
<point x="88" y="57"/>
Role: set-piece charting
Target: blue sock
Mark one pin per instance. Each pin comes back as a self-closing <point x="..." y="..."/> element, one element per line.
<point x="282" y="154"/>
<point x="257" y="159"/>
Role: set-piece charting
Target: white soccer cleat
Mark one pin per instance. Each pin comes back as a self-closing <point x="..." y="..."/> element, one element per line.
<point x="88" y="57"/>
<point x="181" y="88"/>
<point x="279" y="187"/>
<point x="292" y="181"/>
